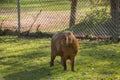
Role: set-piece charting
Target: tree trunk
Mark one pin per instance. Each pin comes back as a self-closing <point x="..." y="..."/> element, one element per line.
<point x="73" y="12"/>
<point x="115" y="17"/>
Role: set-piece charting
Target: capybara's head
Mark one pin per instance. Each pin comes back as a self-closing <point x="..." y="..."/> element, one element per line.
<point x="67" y="38"/>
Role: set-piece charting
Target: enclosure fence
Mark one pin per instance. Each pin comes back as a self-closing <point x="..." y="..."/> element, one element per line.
<point x="86" y="18"/>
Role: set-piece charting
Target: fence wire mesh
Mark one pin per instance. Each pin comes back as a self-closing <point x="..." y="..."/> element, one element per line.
<point x="92" y="17"/>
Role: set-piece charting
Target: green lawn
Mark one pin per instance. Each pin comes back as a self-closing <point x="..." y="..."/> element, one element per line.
<point x="28" y="59"/>
<point x="40" y="5"/>
<point x="55" y="5"/>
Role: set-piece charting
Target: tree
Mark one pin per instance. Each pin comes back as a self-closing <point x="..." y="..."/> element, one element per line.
<point x="115" y="17"/>
<point x="73" y="12"/>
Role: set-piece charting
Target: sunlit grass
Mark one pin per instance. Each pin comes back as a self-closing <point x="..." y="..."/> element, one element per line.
<point x="53" y="5"/>
<point x="41" y="5"/>
<point x="4" y="17"/>
<point x="28" y="59"/>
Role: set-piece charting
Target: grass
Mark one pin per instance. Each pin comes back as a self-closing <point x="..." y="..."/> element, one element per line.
<point x="28" y="59"/>
<point x="7" y="17"/>
<point x="55" y="5"/>
<point x="41" y="5"/>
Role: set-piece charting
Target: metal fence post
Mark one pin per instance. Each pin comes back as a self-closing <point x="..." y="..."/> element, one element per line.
<point x="18" y="9"/>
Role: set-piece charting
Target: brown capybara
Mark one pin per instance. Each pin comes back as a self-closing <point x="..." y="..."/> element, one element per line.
<point x="65" y="45"/>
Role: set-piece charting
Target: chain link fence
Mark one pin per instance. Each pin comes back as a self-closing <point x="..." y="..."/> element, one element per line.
<point x="92" y="18"/>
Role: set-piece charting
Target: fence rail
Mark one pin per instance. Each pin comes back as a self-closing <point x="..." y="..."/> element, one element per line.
<point x="86" y="18"/>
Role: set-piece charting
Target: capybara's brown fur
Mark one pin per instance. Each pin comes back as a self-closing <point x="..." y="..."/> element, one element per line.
<point x="65" y="45"/>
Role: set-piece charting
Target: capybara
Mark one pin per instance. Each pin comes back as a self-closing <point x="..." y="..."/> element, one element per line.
<point x="65" y="45"/>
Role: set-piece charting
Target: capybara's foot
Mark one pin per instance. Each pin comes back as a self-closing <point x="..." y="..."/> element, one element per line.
<point x="51" y="64"/>
<point x="73" y="70"/>
<point x="65" y="68"/>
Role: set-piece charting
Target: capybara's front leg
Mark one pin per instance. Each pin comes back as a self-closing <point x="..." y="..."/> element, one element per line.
<point x="52" y="60"/>
<point x="64" y="64"/>
<point x="72" y="63"/>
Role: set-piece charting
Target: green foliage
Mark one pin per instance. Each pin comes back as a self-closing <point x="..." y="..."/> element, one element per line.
<point x="97" y="16"/>
<point x="99" y="2"/>
<point x="2" y="32"/>
<point x="96" y="22"/>
<point x="43" y="34"/>
<point x="28" y="59"/>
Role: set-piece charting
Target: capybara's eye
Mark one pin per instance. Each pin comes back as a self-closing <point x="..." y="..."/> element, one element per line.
<point x="65" y="38"/>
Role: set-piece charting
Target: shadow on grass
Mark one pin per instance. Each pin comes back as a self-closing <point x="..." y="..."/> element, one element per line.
<point x="42" y="73"/>
<point x="32" y="64"/>
<point x="28" y="69"/>
<point x="7" y="39"/>
<point x="1" y="50"/>
<point x="30" y="55"/>
<point x="35" y="74"/>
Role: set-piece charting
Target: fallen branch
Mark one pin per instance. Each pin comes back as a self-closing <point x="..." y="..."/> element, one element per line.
<point x="35" y="19"/>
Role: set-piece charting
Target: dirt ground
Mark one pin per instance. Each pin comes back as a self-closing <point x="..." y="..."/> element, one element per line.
<point x="48" y="21"/>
